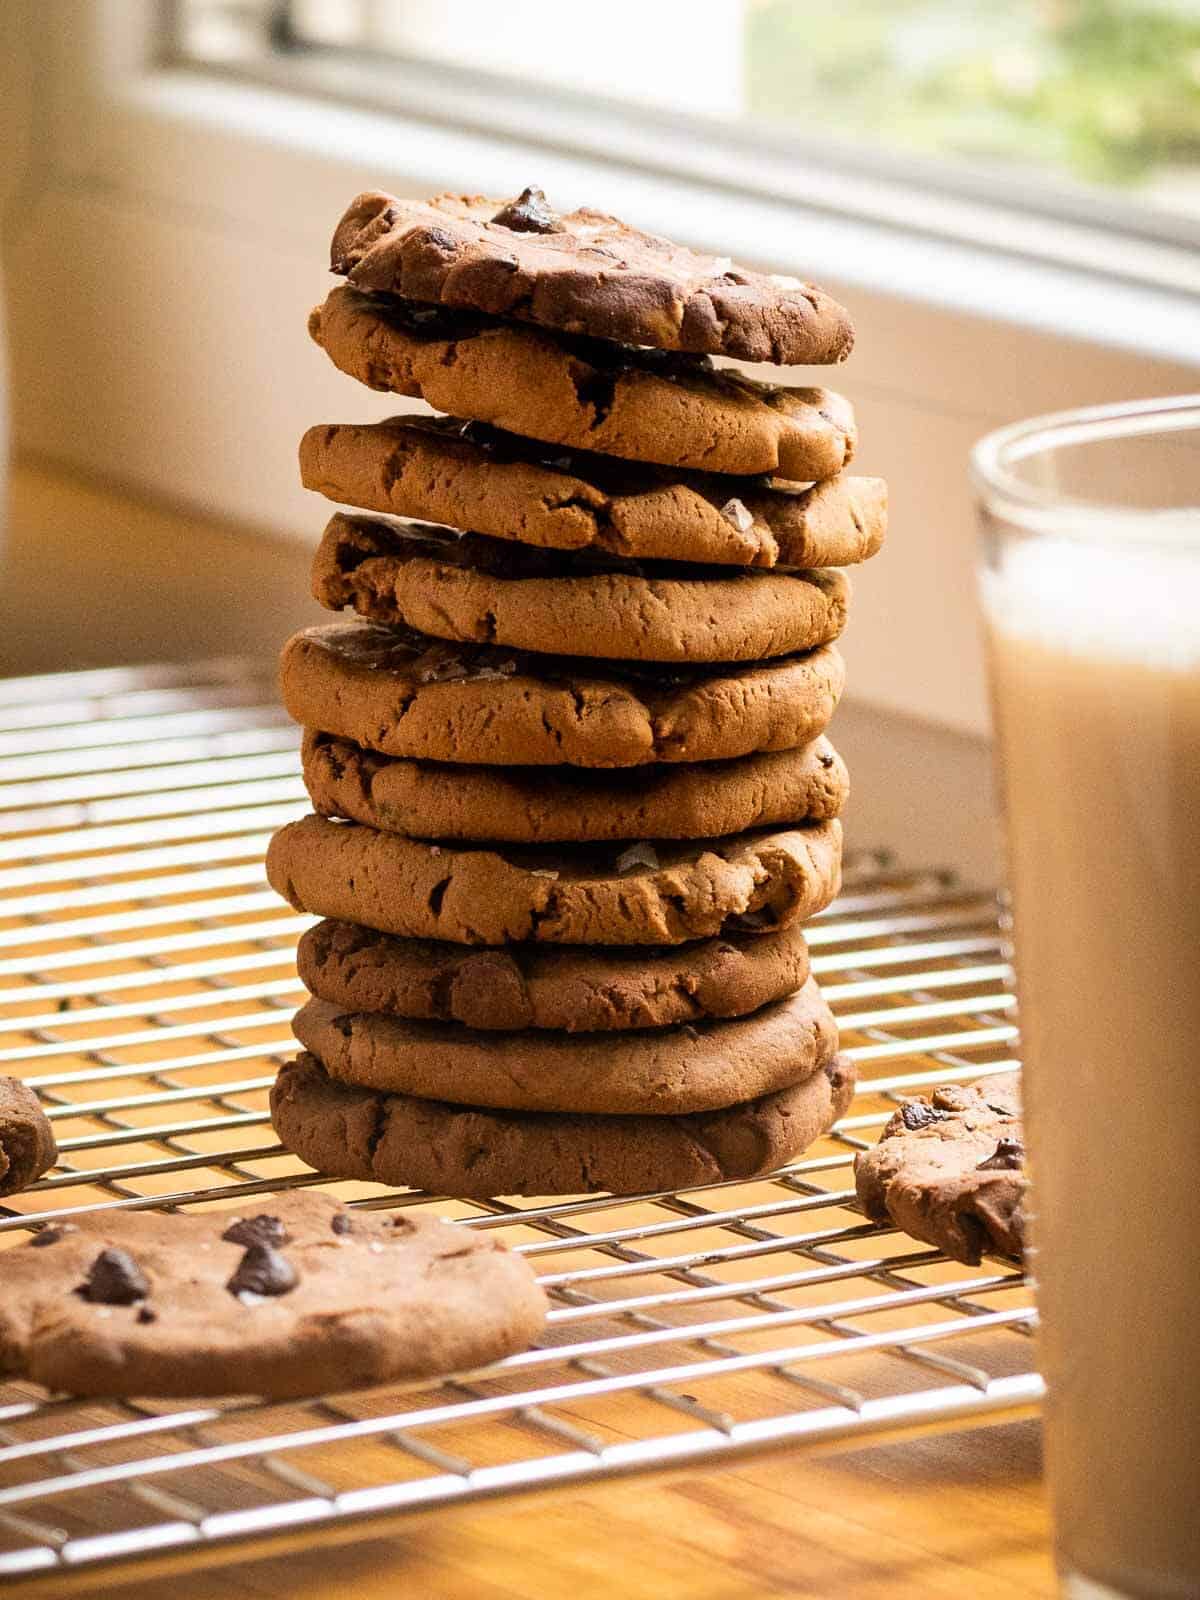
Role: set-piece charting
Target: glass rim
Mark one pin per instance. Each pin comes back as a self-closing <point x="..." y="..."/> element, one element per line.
<point x="997" y="453"/>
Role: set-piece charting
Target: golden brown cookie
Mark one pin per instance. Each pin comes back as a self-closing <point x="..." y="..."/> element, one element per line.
<point x="588" y="394"/>
<point x="470" y="475"/>
<point x="405" y="694"/>
<point x="601" y="894"/>
<point x="346" y="1132"/>
<point x="294" y="1295"/>
<point x="950" y="1169"/>
<point x="468" y="588"/>
<point x="651" y="1072"/>
<point x="586" y="272"/>
<point x="536" y="805"/>
<point x="576" y="989"/>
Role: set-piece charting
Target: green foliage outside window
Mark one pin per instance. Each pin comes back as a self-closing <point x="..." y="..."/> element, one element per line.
<point x="1105" y="90"/>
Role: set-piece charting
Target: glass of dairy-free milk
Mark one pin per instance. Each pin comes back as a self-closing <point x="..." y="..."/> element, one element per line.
<point x="1091" y="593"/>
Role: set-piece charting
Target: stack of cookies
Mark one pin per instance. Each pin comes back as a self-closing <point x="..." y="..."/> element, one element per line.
<point x="572" y="794"/>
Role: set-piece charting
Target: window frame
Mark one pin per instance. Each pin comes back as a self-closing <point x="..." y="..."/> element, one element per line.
<point x="1023" y="211"/>
<point x="150" y="180"/>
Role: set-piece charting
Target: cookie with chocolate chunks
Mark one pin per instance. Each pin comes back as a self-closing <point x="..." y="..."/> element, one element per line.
<point x="295" y="1295"/>
<point x="584" y="271"/>
<point x="474" y="476"/>
<point x="588" y="394"/>
<point x="654" y="1072"/>
<point x="581" y="989"/>
<point x="347" y="1132"/>
<point x="950" y="1169"/>
<point x="405" y="694"/>
<point x="27" y="1146"/>
<point x="536" y="805"/>
<point x="476" y="590"/>
<point x="578" y="894"/>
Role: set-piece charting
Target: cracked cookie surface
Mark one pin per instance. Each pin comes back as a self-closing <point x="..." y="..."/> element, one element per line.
<point x="405" y="694"/>
<point x="584" y="271"/>
<point x="470" y="475"/>
<point x="652" y="1072"/>
<point x="671" y="893"/>
<point x="586" y="394"/>
<point x="470" y="589"/>
<point x="579" y="989"/>
<point x="425" y="800"/>
<point x="950" y="1169"/>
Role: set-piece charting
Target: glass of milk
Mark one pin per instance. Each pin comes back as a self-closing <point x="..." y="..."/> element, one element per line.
<point x="1091" y="594"/>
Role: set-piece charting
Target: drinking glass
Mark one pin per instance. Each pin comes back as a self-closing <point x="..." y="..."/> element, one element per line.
<point x="1090" y="580"/>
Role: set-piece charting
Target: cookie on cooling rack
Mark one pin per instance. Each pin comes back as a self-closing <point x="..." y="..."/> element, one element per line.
<point x="405" y="694"/>
<point x="950" y="1169"/>
<point x="521" y="806"/>
<point x="586" y="394"/>
<point x="348" y="1132"/>
<point x="295" y="1295"/>
<point x="471" y="475"/>
<point x="27" y="1146"/>
<point x="584" y="271"/>
<point x="577" y="989"/>
<point x="475" y="590"/>
<point x="654" y="1072"/>
<point x="667" y="893"/>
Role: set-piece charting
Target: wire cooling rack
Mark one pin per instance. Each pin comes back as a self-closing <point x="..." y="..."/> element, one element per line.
<point x="146" y="986"/>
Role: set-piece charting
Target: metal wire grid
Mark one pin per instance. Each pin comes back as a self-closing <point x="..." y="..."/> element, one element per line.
<point x="146" y="986"/>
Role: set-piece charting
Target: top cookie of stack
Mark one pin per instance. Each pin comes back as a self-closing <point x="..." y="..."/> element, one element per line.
<point x="644" y="579"/>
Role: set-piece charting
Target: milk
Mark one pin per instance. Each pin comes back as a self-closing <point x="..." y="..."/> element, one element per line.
<point x="1096" y="681"/>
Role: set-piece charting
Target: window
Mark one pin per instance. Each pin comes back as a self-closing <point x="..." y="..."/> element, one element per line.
<point x="167" y="238"/>
<point x="1088" y="108"/>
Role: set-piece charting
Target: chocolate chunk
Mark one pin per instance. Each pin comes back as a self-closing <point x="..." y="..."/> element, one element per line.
<point x="1008" y="1156"/>
<point x="262" y="1270"/>
<point x="114" y="1279"/>
<point x="146" y="1315"/>
<point x="916" y="1114"/>
<point x="530" y="212"/>
<point x="256" y="1230"/>
<point x="342" y="1224"/>
<point x="49" y="1236"/>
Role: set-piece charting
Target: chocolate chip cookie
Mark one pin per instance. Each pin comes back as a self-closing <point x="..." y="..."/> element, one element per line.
<point x="536" y="805"/>
<point x="580" y="989"/>
<point x="950" y="1169"/>
<point x="294" y="1295"/>
<point x="586" y="272"/>
<point x="348" y="1132"/>
<point x="468" y="588"/>
<point x="27" y="1146"/>
<point x="474" y="476"/>
<point x="653" y="1072"/>
<point x="644" y="894"/>
<point x="405" y="694"/>
<point x="641" y="405"/>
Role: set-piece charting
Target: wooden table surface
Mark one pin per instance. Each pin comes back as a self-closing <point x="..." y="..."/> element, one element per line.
<point x="955" y="1516"/>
